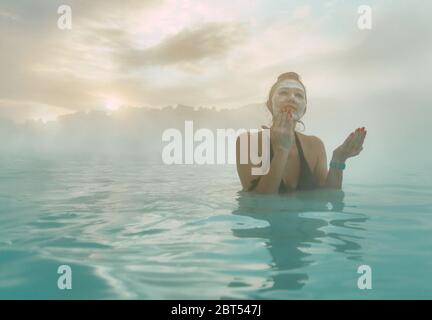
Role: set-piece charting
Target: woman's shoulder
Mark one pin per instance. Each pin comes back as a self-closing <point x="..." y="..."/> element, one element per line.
<point x="310" y="139"/>
<point x="248" y="136"/>
<point x="304" y="138"/>
<point x="253" y="132"/>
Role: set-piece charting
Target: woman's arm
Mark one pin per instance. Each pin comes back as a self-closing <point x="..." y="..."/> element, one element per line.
<point x="282" y="139"/>
<point x="332" y="178"/>
<point x="351" y="147"/>
<point x="335" y="176"/>
<point x="268" y="183"/>
<point x="324" y="177"/>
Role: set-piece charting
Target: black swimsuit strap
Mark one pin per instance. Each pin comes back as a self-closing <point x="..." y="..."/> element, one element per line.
<point x="282" y="186"/>
<point x="306" y="180"/>
<point x="300" y="151"/>
<point x="299" y="148"/>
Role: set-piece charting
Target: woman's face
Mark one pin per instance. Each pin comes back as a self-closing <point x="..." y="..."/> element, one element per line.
<point x="289" y="96"/>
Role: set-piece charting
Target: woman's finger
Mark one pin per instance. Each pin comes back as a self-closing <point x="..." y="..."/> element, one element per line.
<point x="363" y="137"/>
<point x="276" y="120"/>
<point x="290" y="122"/>
<point x="350" y="143"/>
<point x="284" y="119"/>
<point x="357" y="138"/>
<point x="290" y="119"/>
<point x="360" y="133"/>
<point x="360" y="137"/>
<point x="357" y="152"/>
<point x="348" y="139"/>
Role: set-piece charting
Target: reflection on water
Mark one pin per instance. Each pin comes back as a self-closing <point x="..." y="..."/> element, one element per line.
<point x="295" y="222"/>
<point x="131" y="230"/>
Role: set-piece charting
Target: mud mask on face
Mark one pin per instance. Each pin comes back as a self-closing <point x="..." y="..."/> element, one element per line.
<point x="300" y="103"/>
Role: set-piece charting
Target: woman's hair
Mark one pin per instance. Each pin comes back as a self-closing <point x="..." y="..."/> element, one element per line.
<point x="282" y="77"/>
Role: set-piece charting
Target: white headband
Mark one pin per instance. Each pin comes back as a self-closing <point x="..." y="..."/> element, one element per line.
<point x="291" y="84"/>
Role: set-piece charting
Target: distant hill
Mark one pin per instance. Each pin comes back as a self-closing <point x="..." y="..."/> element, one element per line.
<point x="126" y="132"/>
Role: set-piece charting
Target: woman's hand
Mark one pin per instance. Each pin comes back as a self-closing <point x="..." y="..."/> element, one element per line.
<point x="351" y="147"/>
<point x="282" y="131"/>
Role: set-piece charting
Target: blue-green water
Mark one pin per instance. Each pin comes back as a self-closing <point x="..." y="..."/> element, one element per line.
<point x="133" y="230"/>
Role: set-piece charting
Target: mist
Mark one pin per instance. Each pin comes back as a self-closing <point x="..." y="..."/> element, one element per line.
<point x="396" y="143"/>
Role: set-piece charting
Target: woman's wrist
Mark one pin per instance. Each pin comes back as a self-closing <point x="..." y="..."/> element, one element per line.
<point x="282" y="150"/>
<point x="337" y="162"/>
<point x="338" y="158"/>
<point x="337" y="165"/>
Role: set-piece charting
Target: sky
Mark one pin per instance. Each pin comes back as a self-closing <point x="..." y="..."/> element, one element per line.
<point x="206" y="53"/>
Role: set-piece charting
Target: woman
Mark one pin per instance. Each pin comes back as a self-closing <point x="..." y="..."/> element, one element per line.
<point x="297" y="161"/>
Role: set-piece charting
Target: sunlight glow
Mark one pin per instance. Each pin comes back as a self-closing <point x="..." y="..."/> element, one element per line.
<point x="113" y="104"/>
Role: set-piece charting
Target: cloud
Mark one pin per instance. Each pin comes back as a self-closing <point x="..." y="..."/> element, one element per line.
<point x="19" y="110"/>
<point x="7" y="15"/>
<point x="394" y="56"/>
<point x="205" y="53"/>
<point x="302" y="12"/>
<point x="211" y="40"/>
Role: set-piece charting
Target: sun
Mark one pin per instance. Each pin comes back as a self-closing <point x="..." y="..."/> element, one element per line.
<point x="113" y="104"/>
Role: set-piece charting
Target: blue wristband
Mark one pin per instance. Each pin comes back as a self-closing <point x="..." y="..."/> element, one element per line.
<point x="337" y="165"/>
